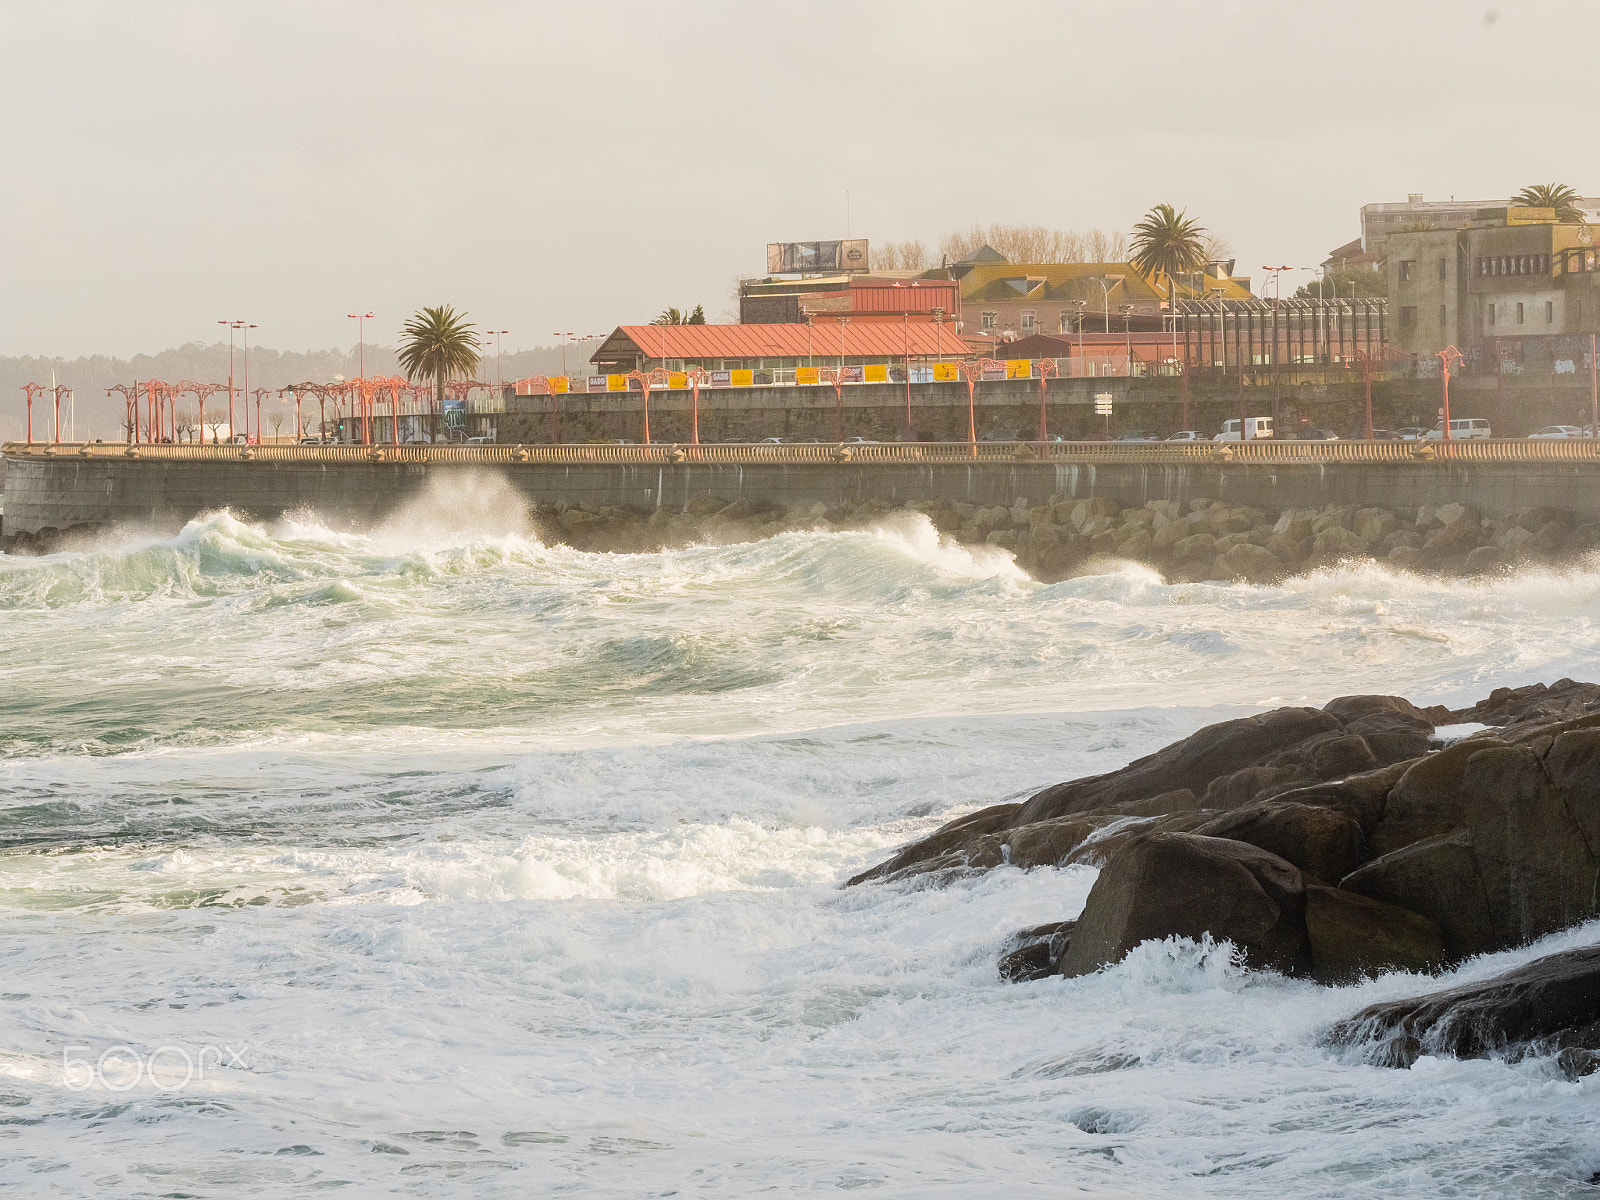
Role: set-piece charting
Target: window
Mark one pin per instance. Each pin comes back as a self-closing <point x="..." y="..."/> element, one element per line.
<point x="1490" y="308"/>
<point x="1444" y="316"/>
<point x="1030" y="323"/>
<point x="990" y="319"/>
<point x="1408" y="318"/>
<point x="1519" y="312"/>
<point x="1408" y="267"/>
<point x="1066" y="320"/>
<point x="1549" y="312"/>
<point x="1444" y="268"/>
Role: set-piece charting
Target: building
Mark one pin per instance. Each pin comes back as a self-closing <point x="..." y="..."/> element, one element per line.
<point x="880" y="296"/>
<point x="1003" y="301"/>
<point x="773" y="352"/>
<point x="1494" y="292"/>
<point x="1380" y="221"/>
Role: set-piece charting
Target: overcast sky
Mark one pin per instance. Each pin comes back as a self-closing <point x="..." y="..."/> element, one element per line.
<point x="581" y="165"/>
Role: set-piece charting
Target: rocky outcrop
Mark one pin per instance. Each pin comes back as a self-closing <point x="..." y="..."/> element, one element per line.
<point x="1550" y="1004"/>
<point x="1333" y="842"/>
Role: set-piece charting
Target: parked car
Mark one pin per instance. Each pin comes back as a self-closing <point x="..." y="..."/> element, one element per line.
<point x="480" y="441"/>
<point x="1316" y="435"/>
<point x="1410" y="433"/>
<point x="860" y="441"/>
<point x="1138" y="435"/>
<point x="1462" y="430"/>
<point x="770" y="442"/>
<point x="1001" y="435"/>
<point x="1552" y="433"/>
<point x="1188" y="435"/>
<point x="1388" y="435"/>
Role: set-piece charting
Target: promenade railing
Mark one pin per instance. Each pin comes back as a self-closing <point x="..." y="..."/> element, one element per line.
<point x="1262" y="451"/>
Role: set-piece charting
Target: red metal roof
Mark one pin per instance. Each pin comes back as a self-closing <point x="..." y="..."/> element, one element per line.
<point x="889" y="339"/>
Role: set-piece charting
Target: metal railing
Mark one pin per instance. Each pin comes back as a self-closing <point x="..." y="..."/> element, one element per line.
<point x="1263" y="450"/>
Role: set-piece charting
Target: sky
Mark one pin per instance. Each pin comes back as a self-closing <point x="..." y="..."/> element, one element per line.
<point x="576" y="166"/>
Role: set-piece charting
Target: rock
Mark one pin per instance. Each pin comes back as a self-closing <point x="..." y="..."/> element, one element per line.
<point x="1398" y="1053"/>
<point x="1574" y="1063"/>
<point x="1255" y="564"/>
<point x="1485" y="560"/>
<point x="1086" y="510"/>
<point x="1163" y="885"/>
<point x="1324" y="842"/>
<point x="1244" y="786"/>
<point x="1550" y="1002"/>
<point x="1353" y="936"/>
<point x="1337" y="542"/>
<point x="947" y="837"/>
<point x="1295" y="525"/>
<point x="1453" y="514"/>
<point x="1364" y="797"/>
<point x="1047" y="843"/>
<point x="1102" y="845"/>
<point x="1341" y="756"/>
<point x="1006" y="539"/>
<point x="1560" y="701"/>
<point x="1404" y="558"/>
<point x="1287" y="549"/>
<point x="705" y="506"/>
<point x="1180" y="801"/>
<point x="1191" y="763"/>
<point x="1437" y="878"/>
<point x="1038" y="952"/>
<point x="1136" y="546"/>
<point x="1424" y="802"/>
<point x="1373" y="525"/>
<point x="1195" y="546"/>
<point x="1357" y="708"/>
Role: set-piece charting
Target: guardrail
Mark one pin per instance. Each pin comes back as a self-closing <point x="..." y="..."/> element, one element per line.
<point x="1263" y="451"/>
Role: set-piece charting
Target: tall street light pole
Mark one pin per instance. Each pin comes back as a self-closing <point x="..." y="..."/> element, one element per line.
<point x="499" y="378"/>
<point x="245" y="328"/>
<point x="232" y="325"/>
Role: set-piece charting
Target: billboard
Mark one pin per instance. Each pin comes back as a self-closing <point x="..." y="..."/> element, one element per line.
<point x="812" y="258"/>
<point x="807" y="376"/>
<point x="455" y="414"/>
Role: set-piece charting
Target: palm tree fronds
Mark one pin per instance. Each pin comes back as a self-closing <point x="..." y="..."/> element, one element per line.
<point x="1559" y="196"/>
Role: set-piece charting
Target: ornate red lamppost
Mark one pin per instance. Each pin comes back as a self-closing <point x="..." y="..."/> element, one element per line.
<point x="58" y="391"/>
<point x="646" y="380"/>
<point x="698" y="378"/>
<point x="200" y="391"/>
<point x="1046" y="368"/>
<point x="130" y="400"/>
<point x="32" y="390"/>
<point x="1445" y="357"/>
<point x="259" y="392"/>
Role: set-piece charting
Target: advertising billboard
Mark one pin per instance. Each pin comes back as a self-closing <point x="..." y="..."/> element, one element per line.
<point x="813" y="258"/>
<point x="455" y="414"/>
<point x="945" y="372"/>
<point x="807" y="376"/>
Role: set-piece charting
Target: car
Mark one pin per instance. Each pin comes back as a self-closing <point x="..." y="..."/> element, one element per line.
<point x="1460" y="431"/>
<point x="770" y="442"/>
<point x="1555" y="433"/>
<point x="1410" y="433"/>
<point x="1188" y="435"/>
<point x="1387" y="435"/>
<point x="1138" y="435"/>
<point x="1316" y="435"/>
<point x="860" y="441"/>
<point x="1002" y="435"/>
<point x="480" y="441"/>
<point x="1254" y="428"/>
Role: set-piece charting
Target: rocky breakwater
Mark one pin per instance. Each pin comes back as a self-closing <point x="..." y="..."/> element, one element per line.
<point x="1331" y="843"/>
<point x="1201" y="540"/>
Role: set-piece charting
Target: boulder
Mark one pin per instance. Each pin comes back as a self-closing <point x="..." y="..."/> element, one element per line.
<point x="1163" y="885"/>
<point x="1255" y="564"/>
<point x="947" y="837"/>
<point x="1353" y="936"/>
<point x="1244" y="786"/>
<point x="1037" y="952"/>
<point x="1103" y="844"/>
<point x="1325" y="843"/>
<point x="1438" y="878"/>
<point x="1485" y="560"/>
<point x="1191" y="763"/>
<point x="1364" y="797"/>
<point x="1559" y="701"/>
<point x="1047" y="843"/>
<point x="1550" y="1003"/>
<point x="1337" y="542"/>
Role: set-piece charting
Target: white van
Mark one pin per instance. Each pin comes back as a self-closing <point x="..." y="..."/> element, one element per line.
<point x="1254" y="427"/>
<point x="1467" y="427"/>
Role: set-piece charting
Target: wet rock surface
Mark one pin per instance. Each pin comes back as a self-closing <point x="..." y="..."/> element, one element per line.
<point x="1333" y="843"/>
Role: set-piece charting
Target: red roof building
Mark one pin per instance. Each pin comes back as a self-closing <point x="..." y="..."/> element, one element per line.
<point x="765" y="347"/>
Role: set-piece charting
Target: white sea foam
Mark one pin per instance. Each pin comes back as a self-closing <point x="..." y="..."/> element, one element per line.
<point x="504" y="869"/>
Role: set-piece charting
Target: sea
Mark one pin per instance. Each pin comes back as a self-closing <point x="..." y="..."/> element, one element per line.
<point x="440" y="860"/>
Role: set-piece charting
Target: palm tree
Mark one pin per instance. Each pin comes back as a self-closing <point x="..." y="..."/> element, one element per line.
<point x="1166" y="243"/>
<point x="1552" y="195"/>
<point x="669" y="316"/>
<point x="438" y="344"/>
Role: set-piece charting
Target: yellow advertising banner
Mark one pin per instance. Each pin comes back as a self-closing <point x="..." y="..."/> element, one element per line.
<point x="945" y="373"/>
<point x="677" y="379"/>
<point x="877" y="373"/>
<point x="558" y="384"/>
<point x="1019" y="368"/>
<point x="807" y="375"/>
<point x="616" y="383"/>
<point x="741" y="378"/>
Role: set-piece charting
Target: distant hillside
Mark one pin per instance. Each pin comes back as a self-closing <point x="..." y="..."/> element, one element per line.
<point x="100" y="416"/>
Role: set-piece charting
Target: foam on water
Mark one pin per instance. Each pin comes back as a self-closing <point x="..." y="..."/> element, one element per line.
<point x="504" y="869"/>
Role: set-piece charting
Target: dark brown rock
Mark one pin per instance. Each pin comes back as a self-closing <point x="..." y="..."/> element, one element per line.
<point x="1341" y="756"/>
<point x="1038" y="952"/>
<point x="1438" y="878"/>
<point x="1192" y="763"/>
<point x="1536" y="703"/>
<point x="1549" y="1003"/>
<point x="1364" y="796"/>
<point x="1324" y="842"/>
<point x="1179" y="884"/>
<point x="943" y="840"/>
<point x="1103" y="844"/>
<point x="1353" y="936"/>
<point x="1425" y="801"/>
<point x="1047" y="843"/>
<point x="1349" y="709"/>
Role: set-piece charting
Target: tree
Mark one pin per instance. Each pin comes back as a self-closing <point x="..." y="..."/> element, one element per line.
<point x="1357" y="282"/>
<point x="276" y="419"/>
<point x="1552" y="195"/>
<point x="674" y="316"/>
<point x="901" y="256"/>
<point x="1167" y="243"/>
<point x="1033" y="244"/>
<point x="438" y="344"/>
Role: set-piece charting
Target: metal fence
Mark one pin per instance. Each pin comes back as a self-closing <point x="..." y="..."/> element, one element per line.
<point x="1265" y="450"/>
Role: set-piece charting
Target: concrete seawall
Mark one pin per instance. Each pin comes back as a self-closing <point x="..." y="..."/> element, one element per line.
<point x="66" y="492"/>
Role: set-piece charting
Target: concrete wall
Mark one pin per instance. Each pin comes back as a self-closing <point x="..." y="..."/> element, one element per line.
<point x="62" y="493"/>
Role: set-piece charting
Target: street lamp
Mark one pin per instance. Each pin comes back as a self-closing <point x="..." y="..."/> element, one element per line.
<point x="245" y="327"/>
<point x="499" y="378"/>
<point x="232" y="325"/>
<point x="1127" y="333"/>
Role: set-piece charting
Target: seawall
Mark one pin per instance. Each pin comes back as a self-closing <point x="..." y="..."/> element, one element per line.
<point x="67" y="490"/>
